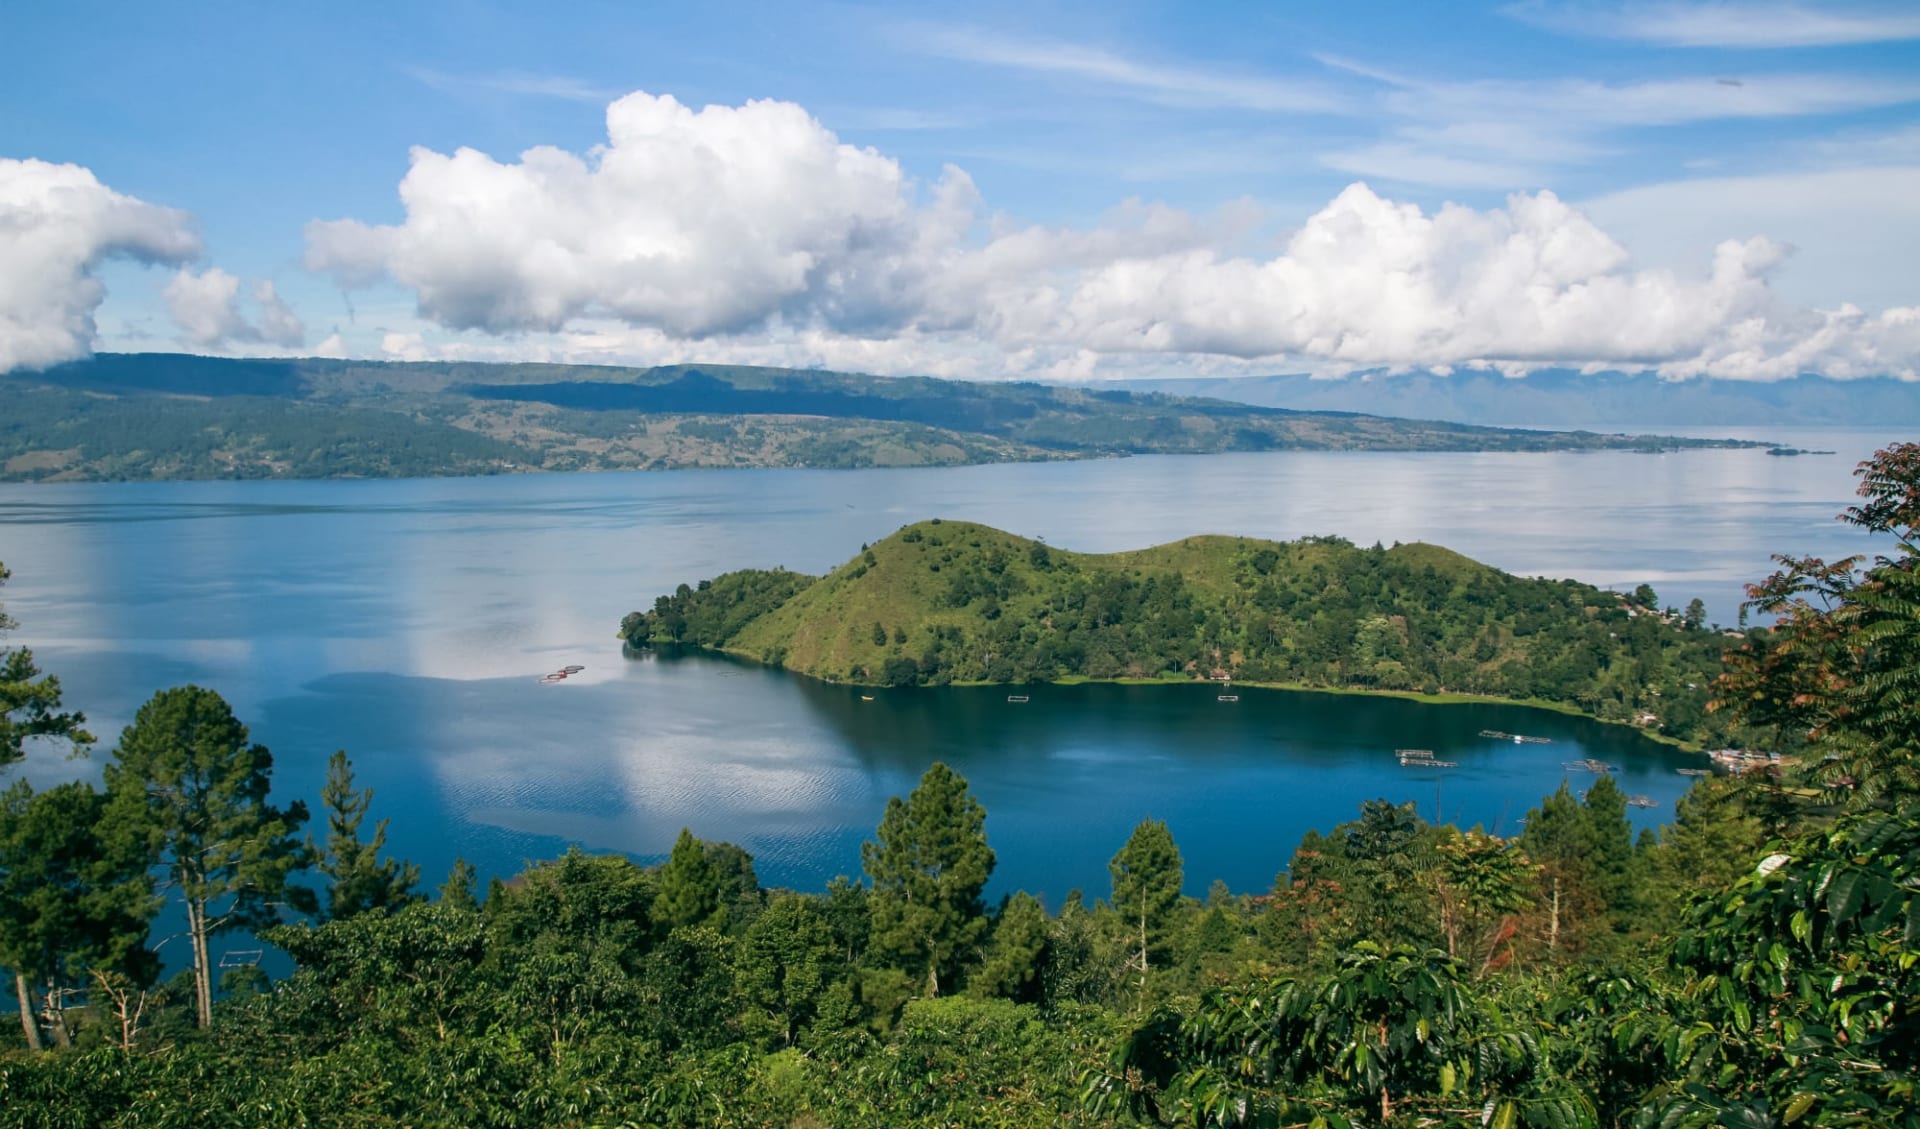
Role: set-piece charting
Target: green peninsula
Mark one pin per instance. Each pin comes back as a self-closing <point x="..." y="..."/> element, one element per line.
<point x="944" y="602"/>
<point x="166" y="416"/>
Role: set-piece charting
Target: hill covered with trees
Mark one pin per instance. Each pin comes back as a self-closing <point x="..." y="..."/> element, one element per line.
<point x="135" y="416"/>
<point x="1757" y="964"/>
<point x="941" y="602"/>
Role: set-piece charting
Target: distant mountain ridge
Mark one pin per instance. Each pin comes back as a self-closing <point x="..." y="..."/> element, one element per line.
<point x="1560" y="398"/>
<point x="170" y="416"/>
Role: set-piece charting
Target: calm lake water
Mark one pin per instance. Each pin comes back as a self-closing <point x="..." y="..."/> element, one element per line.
<point x="407" y="621"/>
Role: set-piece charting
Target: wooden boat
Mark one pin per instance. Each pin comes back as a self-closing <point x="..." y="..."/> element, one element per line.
<point x="1016" y="697"/>
<point x="1227" y="698"/>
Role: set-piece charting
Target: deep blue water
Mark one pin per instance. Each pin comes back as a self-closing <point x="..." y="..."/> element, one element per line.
<point x="407" y="621"/>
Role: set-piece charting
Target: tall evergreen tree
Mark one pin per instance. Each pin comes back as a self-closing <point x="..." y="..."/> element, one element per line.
<point x="689" y="895"/>
<point x="1146" y="886"/>
<point x="1015" y="964"/>
<point x="30" y="701"/>
<point x="70" y="902"/>
<point x="929" y="860"/>
<point x="358" y="880"/>
<point x="457" y="891"/>
<point x="785" y="964"/>
<point x="189" y="792"/>
<point x="1586" y="859"/>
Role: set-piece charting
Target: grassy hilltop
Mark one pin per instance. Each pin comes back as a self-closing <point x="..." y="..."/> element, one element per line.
<point x="942" y="602"/>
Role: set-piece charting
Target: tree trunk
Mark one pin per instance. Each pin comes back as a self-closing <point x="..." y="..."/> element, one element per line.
<point x="933" y="970"/>
<point x="202" y="973"/>
<point x="1143" y="953"/>
<point x="1553" y="927"/>
<point x="27" y="1021"/>
<point x="56" y="1014"/>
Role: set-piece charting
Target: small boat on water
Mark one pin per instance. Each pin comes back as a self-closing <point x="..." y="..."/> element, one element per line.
<point x="866" y="697"/>
<point x="1016" y="697"/>
<point x="1694" y="771"/>
<point x="1228" y="698"/>
<point x="572" y="669"/>
<point x="1588" y="765"/>
<point x="1642" y="802"/>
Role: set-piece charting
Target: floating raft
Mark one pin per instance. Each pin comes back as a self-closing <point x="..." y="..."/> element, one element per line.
<point x="1426" y="762"/>
<point x="1642" y="802"/>
<point x="1516" y="738"/>
<point x="1694" y="771"/>
<point x="1588" y="765"/>
<point x="1415" y="754"/>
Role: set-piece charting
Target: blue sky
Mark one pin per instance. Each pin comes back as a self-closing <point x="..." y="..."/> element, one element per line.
<point x="1128" y="188"/>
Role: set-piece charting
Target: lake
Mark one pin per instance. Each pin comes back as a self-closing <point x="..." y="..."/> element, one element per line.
<point x="407" y="622"/>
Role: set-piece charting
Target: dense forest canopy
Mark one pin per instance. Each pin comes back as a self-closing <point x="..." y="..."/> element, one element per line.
<point x="942" y="602"/>
<point x="169" y="416"/>
<point x="1755" y="964"/>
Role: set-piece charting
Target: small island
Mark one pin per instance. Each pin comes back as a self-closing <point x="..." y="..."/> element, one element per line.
<point x="942" y="603"/>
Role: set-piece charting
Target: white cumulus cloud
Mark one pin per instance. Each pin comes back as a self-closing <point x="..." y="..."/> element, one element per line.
<point x="58" y="223"/>
<point x="206" y="307"/>
<point x="701" y="222"/>
<point x="752" y="230"/>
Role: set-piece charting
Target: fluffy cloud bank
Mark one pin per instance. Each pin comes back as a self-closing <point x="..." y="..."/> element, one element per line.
<point x="57" y="225"/>
<point x="206" y="306"/>
<point x="734" y="225"/>
<point x="701" y="223"/>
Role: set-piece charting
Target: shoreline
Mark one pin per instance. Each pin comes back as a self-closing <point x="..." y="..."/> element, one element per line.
<point x="1442" y="699"/>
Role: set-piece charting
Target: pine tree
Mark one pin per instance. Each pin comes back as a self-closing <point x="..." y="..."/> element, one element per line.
<point x="358" y="880"/>
<point x="1146" y="885"/>
<point x="929" y="861"/>
<point x="457" y="891"/>
<point x="189" y="793"/>
<point x="785" y="964"/>
<point x="30" y="701"/>
<point x="70" y="903"/>
<point x="1015" y="965"/>
<point x="689" y="895"/>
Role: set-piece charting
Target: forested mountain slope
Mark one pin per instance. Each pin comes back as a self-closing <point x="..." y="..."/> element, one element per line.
<point x="210" y="417"/>
<point x="942" y="602"/>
